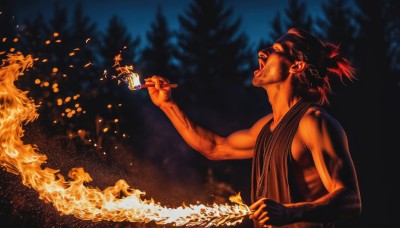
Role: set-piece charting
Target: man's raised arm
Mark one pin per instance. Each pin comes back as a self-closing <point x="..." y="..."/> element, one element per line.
<point x="238" y="145"/>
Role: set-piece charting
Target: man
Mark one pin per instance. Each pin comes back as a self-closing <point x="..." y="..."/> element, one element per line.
<point x="302" y="173"/>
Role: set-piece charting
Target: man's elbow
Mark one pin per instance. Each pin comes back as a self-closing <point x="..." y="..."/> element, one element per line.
<point x="213" y="153"/>
<point x="213" y="156"/>
<point x="357" y="207"/>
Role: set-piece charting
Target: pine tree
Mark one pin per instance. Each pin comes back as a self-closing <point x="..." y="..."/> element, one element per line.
<point x="373" y="99"/>
<point x="112" y="100"/>
<point x="34" y="36"/>
<point x="117" y="40"/>
<point x="275" y="33"/>
<point x="338" y="25"/>
<point x="158" y="56"/>
<point x="7" y="27"/>
<point x="277" y="27"/>
<point x="392" y="29"/>
<point x="214" y="57"/>
<point x="294" y="16"/>
<point x="84" y="77"/>
<point x="297" y="17"/>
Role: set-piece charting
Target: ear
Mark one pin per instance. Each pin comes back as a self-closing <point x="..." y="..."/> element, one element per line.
<point x="298" y="67"/>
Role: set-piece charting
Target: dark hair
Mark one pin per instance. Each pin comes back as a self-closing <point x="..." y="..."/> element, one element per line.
<point x="323" y="62"/>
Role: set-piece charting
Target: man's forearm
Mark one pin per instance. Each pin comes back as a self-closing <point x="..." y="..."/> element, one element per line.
<point x="195" y="136"/>
<point x="331" y="208"/>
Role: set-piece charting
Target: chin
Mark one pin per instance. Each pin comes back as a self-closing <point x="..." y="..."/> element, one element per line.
<point x="255" y="82"/>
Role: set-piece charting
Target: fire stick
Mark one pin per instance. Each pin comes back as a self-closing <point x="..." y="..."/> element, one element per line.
<point x="162" y="85"/>
<point x="142" y="86"/>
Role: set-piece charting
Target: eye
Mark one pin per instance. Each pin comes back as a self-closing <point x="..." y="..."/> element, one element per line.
<point x="266" y="51"/>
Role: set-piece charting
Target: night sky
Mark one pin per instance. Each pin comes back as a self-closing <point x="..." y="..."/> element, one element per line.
<point x="256" y="15"/>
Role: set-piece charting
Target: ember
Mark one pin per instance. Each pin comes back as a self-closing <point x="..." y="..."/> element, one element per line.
<point x="71" y="197"/>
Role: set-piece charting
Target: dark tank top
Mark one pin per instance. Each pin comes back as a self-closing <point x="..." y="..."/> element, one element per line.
<point x="272" y="161"/>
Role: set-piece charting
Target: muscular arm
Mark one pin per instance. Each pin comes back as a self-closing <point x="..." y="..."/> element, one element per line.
<point x="238" y="145"/>
<point x="324" y="137"/>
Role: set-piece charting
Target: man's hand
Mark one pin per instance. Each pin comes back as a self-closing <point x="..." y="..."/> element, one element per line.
<point x="269" y="212"/>
<point x="159" y="94"/>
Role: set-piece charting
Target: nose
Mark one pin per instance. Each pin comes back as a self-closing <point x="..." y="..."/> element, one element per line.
<point x="267" y="51"/>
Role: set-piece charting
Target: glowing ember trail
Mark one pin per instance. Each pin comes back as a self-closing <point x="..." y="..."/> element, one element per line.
<point x="71" y="197"/>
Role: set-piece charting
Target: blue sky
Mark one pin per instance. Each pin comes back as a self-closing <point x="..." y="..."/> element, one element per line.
<point x="137" y="15"/>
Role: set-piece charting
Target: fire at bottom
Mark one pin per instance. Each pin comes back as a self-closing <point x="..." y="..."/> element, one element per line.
<point x="116" y="203"/>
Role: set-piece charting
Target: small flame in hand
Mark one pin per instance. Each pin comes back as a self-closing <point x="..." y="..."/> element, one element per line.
<point x="133" y="81"/>
<point x="126" y="74"/>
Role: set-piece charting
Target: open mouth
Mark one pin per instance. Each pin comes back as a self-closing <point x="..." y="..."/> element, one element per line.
<point x="262" y="59"/>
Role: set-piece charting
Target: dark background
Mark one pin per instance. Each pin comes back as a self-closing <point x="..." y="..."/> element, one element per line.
<point x="212" y="57"/>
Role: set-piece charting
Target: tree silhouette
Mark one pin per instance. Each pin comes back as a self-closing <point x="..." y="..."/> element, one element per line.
<point x="277" y="27"/>
<point x="214" y="57"/>
<point x="34" y="36"/>
<point x="369" y="96"/>
<point x="338" y="25"/>
<point x="158" y="56"/>
<point x="50" y="42"/>
<point x="7" y="25"/>
<point x="114" y="93"/>
<point x="85" y="76"/>
<point x="117" y="40"/>
<point x="392" y="17"/>
<point x="215" y="63"/>
<point x="275" y="33"/>
<point x="297" y="17"/>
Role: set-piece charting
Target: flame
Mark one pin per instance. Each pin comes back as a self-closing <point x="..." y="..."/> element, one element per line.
<point x="133" y="81"/>
<point x="71" y="197"/>
<point x="126" y="74"/>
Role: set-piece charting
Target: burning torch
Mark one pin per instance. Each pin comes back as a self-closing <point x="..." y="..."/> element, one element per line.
<point x="134" y="83"/>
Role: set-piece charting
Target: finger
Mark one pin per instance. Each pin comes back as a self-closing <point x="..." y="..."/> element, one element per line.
<point x="162" y="80"/>
<point x="262" y="216"/>
<point x="258" y="212"/>
<point x="264" y="221"/>
<point x="157" y="85"/>
<point x="152" y="80"/>
<point x="255" y="205"/>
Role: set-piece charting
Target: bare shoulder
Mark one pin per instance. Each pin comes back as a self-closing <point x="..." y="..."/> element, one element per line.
<point x="317" y="124"/>
<point x="316" y="117"/>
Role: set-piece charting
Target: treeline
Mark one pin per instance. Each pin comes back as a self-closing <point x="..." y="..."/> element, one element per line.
<point x="75" y="81"/>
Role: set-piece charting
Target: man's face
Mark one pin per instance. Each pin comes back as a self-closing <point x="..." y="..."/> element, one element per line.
<point x="273" y="66"/>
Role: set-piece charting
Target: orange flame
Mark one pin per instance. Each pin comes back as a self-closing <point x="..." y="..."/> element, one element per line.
<point x="115" y="203"/>
<point x="126" y="74"/>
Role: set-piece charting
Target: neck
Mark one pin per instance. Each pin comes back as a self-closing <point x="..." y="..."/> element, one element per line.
<point x="281" y="100"/>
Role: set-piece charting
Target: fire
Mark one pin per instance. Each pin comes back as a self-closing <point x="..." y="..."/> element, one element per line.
<point x="133" y="81"/>
<point x="126" y="74"/>
<point x="71" y="197"/>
